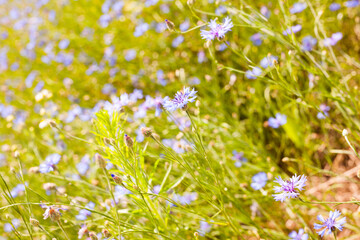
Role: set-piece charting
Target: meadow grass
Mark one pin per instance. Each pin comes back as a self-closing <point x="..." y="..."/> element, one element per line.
<point x="170" y="119"/>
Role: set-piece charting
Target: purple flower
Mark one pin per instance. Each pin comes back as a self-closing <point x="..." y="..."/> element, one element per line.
<point x="279" y="120"/>
<point x="201" y="57"/>
<point x="334" y="7"/>
<point x="181" y="99"/>
<point x="52" y="212"/>
<point x="177" y="41"/>
<point x="293" y="29"/>
<point x="330" y="224"/>
<point x="301" y="235"/>
<point x="184" y="26"/>
<point x="84" y="213"/>
<point x="49" y="164"/>
<point x="84" y="165"/>
<point x="205" y="227"/>
<point x="238" y="157"/>
<point x="17" y="190"/>
<point x="298" y="7"/>
<point x="351" y="4"/>
<point x="130" y="55"/>
<point x="290" y="188"/>
<point x="141" y="29"/>
<point x="268" y="61"/>
<point x="256" y="39"/>
<point x="265" y="11"/>
<point x="156" y="189"/>
<point x="308" y="43"/>
<point x="254" y="73"/>
<point x="9" y="228"/>
<point x="259" y="180"/>
<point x="217" y="30"/>
<point x="324" y="111"/>
<point x="331" y="41"/>
<point x="63" y="44"/>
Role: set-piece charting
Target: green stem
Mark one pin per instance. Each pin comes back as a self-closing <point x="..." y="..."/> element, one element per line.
<point x="60" y="225"/>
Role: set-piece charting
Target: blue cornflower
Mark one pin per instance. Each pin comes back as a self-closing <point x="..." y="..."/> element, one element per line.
<point x="279" y="120"/>
<point x="9" y="228"/>
<point x="49" y="164"/>
<point x="205" y="227"/>
<point x="84" y="165"/>
<point x="17" y="190"/>
<point x="308" y="43"/>
<point x="331" y="41"/>
<point x="334" y="7"/>
<point x="265" y="11"/>
<point x="268" y="61"/>
<point x="290" y="188"/>
<point x="301" y="235"/>
<point x="63" y="44"/>
<point x="217" y="30"/>
<point x="351" y="4"/>
<point x="293" y="29"/>
<point x="254" y="73"/>
<point x="177" y="41"/>
<point x="239" y="158"/>
<point x="181" y="99"/>
<point x="141" y="29"/>
<point x="130" y="55"/>
<point x="259" y="180"/>
<point x="256" y="39"/>
<point x="324" y="111"/>
<point x="330" y="224"/>
<point x="298" y="7"/>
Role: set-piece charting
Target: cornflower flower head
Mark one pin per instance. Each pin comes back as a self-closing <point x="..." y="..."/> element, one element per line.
<point x="324" y="111"/>
<point x="292" y="29"/>
<point x="331" y="41"/>
<point x="53" y="213"/>
<point x="289" y="188"/>
<point x="50" y="162"/>
<point x="301" y="235"/>
<point x="279" y="120"/>
<point x="308" y="43"/>
<point x="259" y="180"/>
<point x="352" y="3"/>
<point x="239" y="158"/>
<point x="298" y="7"/>
<point x="217" y="30"/>
<point x="330" y="224"/>
<point x="181" y="99"/>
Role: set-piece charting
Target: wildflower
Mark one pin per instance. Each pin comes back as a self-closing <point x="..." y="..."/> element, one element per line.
<point x="324" y="111"/>
<point x="334" y="7"/>
<point x="279" y="120"/>
<point x="53" y="213"/>
<point x="290" y="188"/>
<point x="141" y="29"/>
<point x="84" y="213"/>
<point x="254" y="73"/>
<point x="84" y="165"/>
<point x="9" y="227"/>
<point x="217" y="30"/>
<point x="93" y="236"/>
<point x="181" y="99"/>
<point x="308" y="43"/>
<point x="106" y="233"/>
<point x="352" y="3"/>
<point x="184" y="26"/>
<point x="83" y="231"/>
<point x="147" y="132"/>
<point x="293" y="29"/>
<point x="256" y="39"/>
<point x="301" y="235"/>
<point x="298" y="7"/>
<point x="239" y="158"/>
<point x="177" y="41"/>
<point x="265" y="11"/>
<point x="130" y="55"/>
<point x="268" y="61"/>
<point x="259" y="180"/>
<point x="205" y="227"/>
<point x="17" y="190"/>
<point x="330" y="224"/>
<point x="50" y="163"/>
<point x="331" y="41"/>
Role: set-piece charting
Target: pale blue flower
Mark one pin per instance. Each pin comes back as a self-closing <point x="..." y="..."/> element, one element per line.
<point x="330" y="224"/>
<point x="217" y="30"/>
<point x="279" y="120"/>
<point x="301" y="235"/>
<point x="334" y="7"/>
<point x="289" y="188"/>
<point x="50" y="162"/>
<point x="181" y="99"/>
<point x="259" y="180"/>
<point x="298" y="7"/>
<point x="254" y="73"/>
<point x="308" y="43"/>
<point x="331" y="41"/>
<point x="293" y="29"/>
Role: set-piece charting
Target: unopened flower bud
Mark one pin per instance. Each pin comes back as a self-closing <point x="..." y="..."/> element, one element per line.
<point x="34" y="222"/>
<point x="116" y="179"/>
<point x="146" y="131"/>
<point x="93" y="236"/>
<point x="100" y="161"/>
<point x="34" y="170"/>
<point x="106" y="233"/>
<point x="185" y="107"/>
<point x="170" y="25"/>
<point x="108" y="141"/>
<point x="190" y="2"/>
<point x="16" y="154"/>
<point x="345" y="132"/>
<point x="128" y="141"/>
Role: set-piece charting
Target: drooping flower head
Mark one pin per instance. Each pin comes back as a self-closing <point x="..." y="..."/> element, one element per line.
<point x="217" y="30"/>
<point x="301" y="235"/>
<point x="52" y="212"/>
<point x="181" y="99"/>
<point x="289" y="188"/>
<point x="330" y="224"/>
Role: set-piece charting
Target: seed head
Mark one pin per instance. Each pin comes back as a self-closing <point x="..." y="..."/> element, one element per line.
<point x="128" y="141"/>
